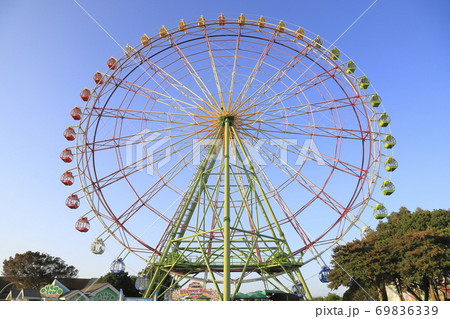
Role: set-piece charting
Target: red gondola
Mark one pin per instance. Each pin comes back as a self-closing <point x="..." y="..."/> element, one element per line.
<point x="98" y="78"/>
<point x="69" y="134"/>
<point x="73" y="201"/>
<point x="66" y="155"/>
<point x="67" y="178"/>
<point x="76" y="113"/>
<point x="111" y="63"/>
<point x="82" y="225"/>
<point x="85" y="95"/>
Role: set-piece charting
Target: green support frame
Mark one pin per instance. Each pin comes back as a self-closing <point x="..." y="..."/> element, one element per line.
<point x="229" y="246"/>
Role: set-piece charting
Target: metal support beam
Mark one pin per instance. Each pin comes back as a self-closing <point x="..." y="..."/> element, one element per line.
<point x="226" y="211"/>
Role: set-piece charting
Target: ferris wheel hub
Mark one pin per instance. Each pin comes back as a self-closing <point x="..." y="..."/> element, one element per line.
<point x="227" y="118"/>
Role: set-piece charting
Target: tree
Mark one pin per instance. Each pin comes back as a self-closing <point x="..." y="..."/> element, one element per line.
<point x="330" y="297"/>
<point x="358" y="293"/>
<point x="34" y="269"/>
<point x="358" y="263"/>
<point x="422" y="257"/>
<point x="420" y="242"/>
<point x="410" y="251"/>
<point x="121" y="281"/>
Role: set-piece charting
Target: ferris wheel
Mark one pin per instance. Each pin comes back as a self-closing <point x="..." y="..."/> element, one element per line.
<point x="228" y="151"/>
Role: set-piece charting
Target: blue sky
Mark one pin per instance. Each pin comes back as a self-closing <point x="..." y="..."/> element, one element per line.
<point x="51" y="49"/>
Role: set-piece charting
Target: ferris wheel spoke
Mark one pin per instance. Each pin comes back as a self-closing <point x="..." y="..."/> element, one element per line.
<point x="142" y="163"/>
<point x="139" y="137"/>
<point x="256" y="69"/>
<point x="311" y="131"/>
<point x="175" y="83"/>
<point x="295" y="174"/>
<point x="149" y="117"/>
<point x="269" y="155"/>
<point x="160" y="97"/>
<point x="141" y="202"/>
<point x="284" y="208"/>
<point x="143" y="199"/>
<point x="211" y="101"/>
<point x="248" y="195"/>
<point x="290" y="92"/>
<point x="233" y="73"/>
<point x="315" y="130"/>
<point x="214" y="69"/>
<point x="307" y="108"/>
<point x="288" y="146"/>
<point x="282" y="205"/>
<point x="143" y="114"/>
<point x="270" y="83"/>
<point x="316" y="191"/>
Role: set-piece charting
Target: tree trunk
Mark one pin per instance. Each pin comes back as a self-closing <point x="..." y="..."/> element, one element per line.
<point x="382" y="294"/>
<point x="425" y="286"/>
<point x="434" y="292"/>
<point x="398" y="286"/>
<point x="408" y="289"/>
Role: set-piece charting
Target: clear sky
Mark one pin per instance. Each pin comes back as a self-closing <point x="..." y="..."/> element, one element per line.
<point x="51" y="49"/>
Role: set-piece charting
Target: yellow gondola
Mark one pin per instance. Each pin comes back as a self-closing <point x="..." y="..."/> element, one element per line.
<point x="182" y="26"/>
<point x="145" y="40"/>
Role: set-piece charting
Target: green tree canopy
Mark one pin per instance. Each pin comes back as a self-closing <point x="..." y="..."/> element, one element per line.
<point x="34" y="269"/>
<point x="409" y="251"/>
<point x="121" y="281"/>
<point x="330" y="297"/>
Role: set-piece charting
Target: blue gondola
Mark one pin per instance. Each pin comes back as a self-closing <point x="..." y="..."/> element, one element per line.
<point x="297" y="289"/>
<point x="117" y="266"/>
<point x="142" y="282"/>
<point x="323" y="274"/>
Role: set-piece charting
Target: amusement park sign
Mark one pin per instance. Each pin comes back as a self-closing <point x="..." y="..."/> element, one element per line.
<point x="195" y="291"/>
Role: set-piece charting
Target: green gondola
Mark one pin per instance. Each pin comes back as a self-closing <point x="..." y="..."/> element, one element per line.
<point x="384" y="120"/>
<point x="335" y="53"/>
<point x="364" y="82"/>
<point x="351" y="67"/>
<point x="389" y="141"/>
<point x="379" y="211"/>
<point x="387" y="188"/>
<point x="375" y="100"/>
<point x="390" y="164"/>
<point x="317" y="42"/>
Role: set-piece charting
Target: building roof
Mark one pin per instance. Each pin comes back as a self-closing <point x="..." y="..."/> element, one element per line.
<point x="31" y="293"/>
<point x="76" y="283"/>
<point x="72" y="286"/>
<point x="74" y="293"/>
<point x="4" y="288"/>
<point x="93" y="287"/>
<point x="24" y="294"/>
<point x="13" y="294"/>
